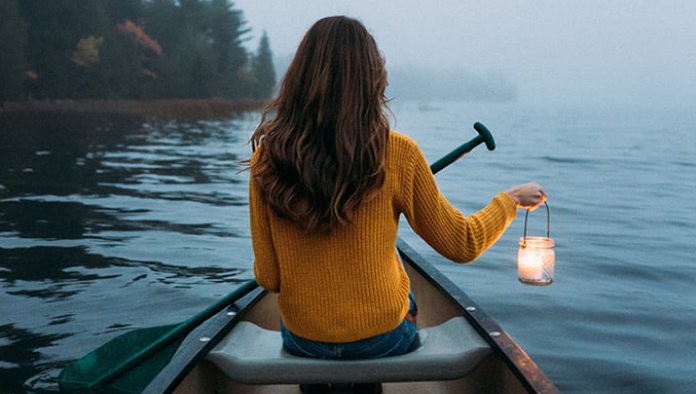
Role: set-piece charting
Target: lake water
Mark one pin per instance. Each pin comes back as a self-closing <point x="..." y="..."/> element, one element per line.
<point x="110" y="223"/>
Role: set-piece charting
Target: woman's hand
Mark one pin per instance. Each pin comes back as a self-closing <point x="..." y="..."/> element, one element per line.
<point x="529" y="195"/>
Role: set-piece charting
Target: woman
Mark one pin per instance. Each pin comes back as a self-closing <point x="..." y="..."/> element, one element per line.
<point x="328" y="183"/>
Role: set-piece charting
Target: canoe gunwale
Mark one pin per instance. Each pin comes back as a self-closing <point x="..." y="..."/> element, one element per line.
<point x="527" y="372"/>
<point x="518" y="362"/>
<point x="193" y="349"/>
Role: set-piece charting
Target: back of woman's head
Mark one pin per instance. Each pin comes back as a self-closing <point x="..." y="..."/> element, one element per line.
<point x="322" y="151"/>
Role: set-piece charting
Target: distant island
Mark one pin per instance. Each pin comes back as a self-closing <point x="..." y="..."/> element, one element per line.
<point x="426" y="84"/>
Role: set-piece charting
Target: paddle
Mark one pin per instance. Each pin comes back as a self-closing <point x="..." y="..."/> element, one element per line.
<point x="484" y="136"/>
<point x="127" y="363"/>
<point x="140" y="353"/>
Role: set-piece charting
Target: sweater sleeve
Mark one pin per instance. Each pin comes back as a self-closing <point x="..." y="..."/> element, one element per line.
<point x="443" y="227"/>
<point x="266" y="268"/>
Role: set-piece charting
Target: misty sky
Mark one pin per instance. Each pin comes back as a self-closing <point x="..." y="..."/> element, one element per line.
<point x="553" y="51"/>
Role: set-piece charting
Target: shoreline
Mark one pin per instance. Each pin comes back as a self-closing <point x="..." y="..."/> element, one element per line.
<point x="166" y="108"/>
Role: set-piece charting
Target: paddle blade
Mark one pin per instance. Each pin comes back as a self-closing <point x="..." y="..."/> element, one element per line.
<point x="79" y="376"/>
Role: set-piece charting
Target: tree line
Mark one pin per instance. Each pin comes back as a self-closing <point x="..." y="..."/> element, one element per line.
<point x="129" y="49"/>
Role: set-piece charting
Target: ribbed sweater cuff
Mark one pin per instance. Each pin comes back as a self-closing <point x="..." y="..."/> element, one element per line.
<point x="508" y="203"/>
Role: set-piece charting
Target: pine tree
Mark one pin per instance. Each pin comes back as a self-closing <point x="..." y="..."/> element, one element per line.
<point x="227" y="32"/>
<point x="263" y="70"/>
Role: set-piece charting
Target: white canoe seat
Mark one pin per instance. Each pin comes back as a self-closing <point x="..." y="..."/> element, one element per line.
<point x="253" y="355"/>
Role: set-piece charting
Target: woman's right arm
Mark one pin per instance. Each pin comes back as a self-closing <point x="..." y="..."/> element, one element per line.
<point x="459" y="238"/>
<point x="266" y="269"/>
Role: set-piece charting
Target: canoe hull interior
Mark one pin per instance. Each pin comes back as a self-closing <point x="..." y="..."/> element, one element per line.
<point x="435" y="306"/>
<point x="491" y="376"/>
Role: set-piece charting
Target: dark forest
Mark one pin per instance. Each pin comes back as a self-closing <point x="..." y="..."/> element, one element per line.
<point x="129" y="50"/>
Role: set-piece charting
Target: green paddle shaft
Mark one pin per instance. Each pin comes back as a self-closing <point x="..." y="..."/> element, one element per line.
<point x="188" y="325"/>
<point x="174" y="334"/>
<point x="484" y="136"/>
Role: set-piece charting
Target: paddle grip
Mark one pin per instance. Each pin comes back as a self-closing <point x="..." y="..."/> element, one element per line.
<point x="485" y="135"/>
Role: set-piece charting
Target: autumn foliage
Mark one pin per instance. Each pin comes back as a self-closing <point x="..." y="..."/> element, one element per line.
<point x="87" y="51"/>
<point x="138" y="35"/>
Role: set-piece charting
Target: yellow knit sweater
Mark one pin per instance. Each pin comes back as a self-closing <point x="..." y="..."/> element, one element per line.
<point x="350" y="284"/>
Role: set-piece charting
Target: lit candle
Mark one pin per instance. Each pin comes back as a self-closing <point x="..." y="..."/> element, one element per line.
<point x="530" y="264"/>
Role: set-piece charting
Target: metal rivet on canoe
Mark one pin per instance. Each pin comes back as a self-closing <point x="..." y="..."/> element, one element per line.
<point x="470" y="308"/>
<point x="204" y="339"/>
<point x="494" y="333"/>
<point x="231" y="313"/>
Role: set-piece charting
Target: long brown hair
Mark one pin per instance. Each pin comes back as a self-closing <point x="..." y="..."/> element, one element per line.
<point x="322" y="153"/>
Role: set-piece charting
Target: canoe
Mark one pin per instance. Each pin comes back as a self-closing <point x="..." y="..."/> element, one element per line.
<point x="462" y="350"/>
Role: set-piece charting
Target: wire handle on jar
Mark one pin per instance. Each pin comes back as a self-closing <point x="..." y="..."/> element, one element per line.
<point x="548" y="224"/>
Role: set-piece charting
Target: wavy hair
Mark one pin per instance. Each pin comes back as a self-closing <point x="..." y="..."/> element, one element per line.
<point x="322" y="141"/>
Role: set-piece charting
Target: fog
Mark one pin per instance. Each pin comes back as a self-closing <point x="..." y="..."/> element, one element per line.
<point x="543" y="52"/>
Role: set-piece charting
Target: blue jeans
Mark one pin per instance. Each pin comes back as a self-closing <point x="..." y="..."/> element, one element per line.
<point x="398" y="341"/>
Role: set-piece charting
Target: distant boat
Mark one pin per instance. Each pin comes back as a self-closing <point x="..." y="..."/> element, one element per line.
<point x="462" y="350"/>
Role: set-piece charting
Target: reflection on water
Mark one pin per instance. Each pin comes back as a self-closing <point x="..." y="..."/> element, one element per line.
<point x="108" y="223"/>
<point x="21" y="359"/>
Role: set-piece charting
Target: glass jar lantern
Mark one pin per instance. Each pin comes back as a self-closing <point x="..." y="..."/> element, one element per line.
<point x="536" y="256"/>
